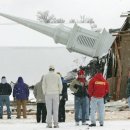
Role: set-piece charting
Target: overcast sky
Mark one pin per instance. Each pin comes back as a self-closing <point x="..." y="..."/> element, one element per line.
<point x="106" y="14"/>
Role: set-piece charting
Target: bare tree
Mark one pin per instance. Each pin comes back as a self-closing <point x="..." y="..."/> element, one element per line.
<point x="45" y="17"/>
<point x="59" y="20"/>
<point x="72" y="21"/>
<point x="83" y="19"/>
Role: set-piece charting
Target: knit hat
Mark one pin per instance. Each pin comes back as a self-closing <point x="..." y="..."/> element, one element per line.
<point x="52" y="67"/>
<point x="3" y="80"/>
<point x="81" y="76"/>
<point x="81" y="72"/>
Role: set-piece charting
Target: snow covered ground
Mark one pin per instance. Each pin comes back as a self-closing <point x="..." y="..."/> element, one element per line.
<point x="116" y="118"/>
<point x="30" y="124"/>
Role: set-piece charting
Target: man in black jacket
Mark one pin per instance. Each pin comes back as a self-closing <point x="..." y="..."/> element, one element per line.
<point x="63" y="99"/>
<point x="5" y="92"/>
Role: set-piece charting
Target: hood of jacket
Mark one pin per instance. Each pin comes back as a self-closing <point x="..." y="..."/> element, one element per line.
<point x="99" y="76"/>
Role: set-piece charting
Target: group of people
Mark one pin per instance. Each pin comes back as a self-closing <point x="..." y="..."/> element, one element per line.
<point x="20" y="95"/>
<point x="51" y="94"/>
<point x="94" y="91"/>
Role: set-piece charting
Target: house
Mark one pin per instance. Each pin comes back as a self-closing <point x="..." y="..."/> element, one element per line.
<point x="121" y="61"/>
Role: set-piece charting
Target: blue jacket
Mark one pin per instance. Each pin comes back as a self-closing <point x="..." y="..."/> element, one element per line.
<point x="21" y="90"/>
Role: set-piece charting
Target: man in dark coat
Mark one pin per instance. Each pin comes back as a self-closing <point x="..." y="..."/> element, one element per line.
<point x="5" y="92"/>
<point x="63" y="99"/>
<point x="21" y="94"/>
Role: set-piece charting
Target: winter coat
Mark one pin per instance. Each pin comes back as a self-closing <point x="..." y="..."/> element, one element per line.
<point x="78" y="89"/>
<point x="52" y="83"/>
<point x="5" y="89"/>
<point x="21" y="90"/>
<point x="98" y="87"/>
<point x="128" y="88"/>
<point x="38" y="93"/>
<point x="64" y="90"/>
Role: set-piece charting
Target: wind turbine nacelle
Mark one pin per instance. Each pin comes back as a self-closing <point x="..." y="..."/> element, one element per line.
<point x="76" y="39"/>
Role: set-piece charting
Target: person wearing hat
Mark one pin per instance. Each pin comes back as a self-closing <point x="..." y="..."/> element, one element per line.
<point x="21" y="95"/>
<point x="52" y="88"/>
<point x="79" y="87"/>
<point x="5" y="92"/>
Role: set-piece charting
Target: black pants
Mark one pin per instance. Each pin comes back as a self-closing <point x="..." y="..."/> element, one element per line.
<point x="62" y="111"/>
<point x="41" y="112"/>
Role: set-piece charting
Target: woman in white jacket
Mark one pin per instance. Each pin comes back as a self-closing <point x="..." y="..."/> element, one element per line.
<point x="52" y="88"/>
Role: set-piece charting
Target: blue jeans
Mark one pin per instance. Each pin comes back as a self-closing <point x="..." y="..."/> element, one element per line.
<point x="80" y="103"/>
<point x="87" y="109"/>
<point x="4" y="99"/>
<point x="97" y="104"/>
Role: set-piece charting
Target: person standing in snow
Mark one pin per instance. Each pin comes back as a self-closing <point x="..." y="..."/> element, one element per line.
<point x="21" y="94"/>
<point x="40" y="98"/>
<point x="98" y="87"/>
<point x="79" y="87"/>
<point x="5" y="92"/>
<point x="52" y="88"/>
<point x="63" y="99"/>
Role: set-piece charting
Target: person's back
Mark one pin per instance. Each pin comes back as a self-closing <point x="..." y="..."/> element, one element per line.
<point x="21" y="94"/>
<point x="40" y="99"/>
<point x="21" y="91"/>
<point x="98" y="88"/>
<point x="52" y="87"/>
<point x="5" y="89"/>
<point x="5" y="92"/>
<point x="38" y="93"/>
<point x="63" y="99"/>
<point x="52" y="83"/>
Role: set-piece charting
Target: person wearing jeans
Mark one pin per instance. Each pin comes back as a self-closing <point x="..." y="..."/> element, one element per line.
<point x="80" y="103"/>
<point x="87" y="108"/>
<point x="79" y="87"/>
<point x="5" y="92"/>
<point x="98" y="87"/>
<point x="97" y="102"/>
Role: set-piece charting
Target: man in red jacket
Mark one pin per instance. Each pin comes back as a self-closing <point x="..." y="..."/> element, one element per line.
<point x="98" y="87"/>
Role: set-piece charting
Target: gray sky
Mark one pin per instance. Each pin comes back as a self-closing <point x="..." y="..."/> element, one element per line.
<point x="106" y="14"/>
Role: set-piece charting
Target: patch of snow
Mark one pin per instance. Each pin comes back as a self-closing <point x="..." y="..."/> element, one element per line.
<point x="30" y="124"/>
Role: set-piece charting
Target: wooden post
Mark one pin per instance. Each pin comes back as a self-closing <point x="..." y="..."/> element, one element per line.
<point x="119" y="72"/>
